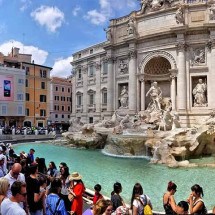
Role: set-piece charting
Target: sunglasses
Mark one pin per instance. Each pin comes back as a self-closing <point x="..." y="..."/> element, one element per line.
<point x="23" y="194"/>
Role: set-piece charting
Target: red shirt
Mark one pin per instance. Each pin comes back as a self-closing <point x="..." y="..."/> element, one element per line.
<point x="77" y="203"/>
<point x="96" y="197"/>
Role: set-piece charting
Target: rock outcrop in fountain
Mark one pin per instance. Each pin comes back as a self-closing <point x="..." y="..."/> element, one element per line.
<point x="154" y="133"/>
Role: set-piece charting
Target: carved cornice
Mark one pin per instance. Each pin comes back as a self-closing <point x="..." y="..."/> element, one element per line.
<point x="210" y="44"/>
<point x="109" y="59"/>
<point x="132" y="54"/>
<point x="182" y="46"/>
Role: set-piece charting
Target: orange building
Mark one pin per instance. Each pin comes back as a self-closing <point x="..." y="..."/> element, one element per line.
<point x="37" y="94"/>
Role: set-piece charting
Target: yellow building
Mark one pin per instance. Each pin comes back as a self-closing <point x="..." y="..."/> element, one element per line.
<point x="37" y="94"/>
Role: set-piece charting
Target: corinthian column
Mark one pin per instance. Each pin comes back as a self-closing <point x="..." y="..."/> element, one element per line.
<point x="173" y="92"/>
<point x="85" y="96"/>
<point x="211" y="75"/>
<point x="110" y="90"/>
<point x="181" y="78"/>
<point x="142" y="94"/>
<point x="132" y="82"/>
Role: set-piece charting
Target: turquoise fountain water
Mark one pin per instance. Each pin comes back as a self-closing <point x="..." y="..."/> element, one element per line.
<point x="98" y="168"/>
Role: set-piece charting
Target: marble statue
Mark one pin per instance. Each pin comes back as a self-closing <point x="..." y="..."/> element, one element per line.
<point x="198" y="56"/>
<point x="212" y="12"/>
<point x="155" y="96"/>
<point x="179" y="16"/>
<point x="199" y="93"/>
<point x="123" y="67"/>
<point x="131" y="26"/>
<point x="143" y="4"/>
<point x="108" y="34"/>
<point x="124" y="97"/>
<point x="156" y="4"/>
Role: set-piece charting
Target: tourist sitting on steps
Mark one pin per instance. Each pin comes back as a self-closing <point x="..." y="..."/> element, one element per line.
<point x="168" y="199"/>
<point x="140" y="201"/>
<point x="196" y="203"/>
<point x="116" y="198"/>
<point x="97" y="196"/>
<point x="99" y="208"/>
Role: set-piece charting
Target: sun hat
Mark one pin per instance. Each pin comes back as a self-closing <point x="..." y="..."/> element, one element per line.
<point x="75" y="176"/>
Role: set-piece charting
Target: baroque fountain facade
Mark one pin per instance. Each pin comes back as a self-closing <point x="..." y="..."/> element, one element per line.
<point x="149" y="89"/>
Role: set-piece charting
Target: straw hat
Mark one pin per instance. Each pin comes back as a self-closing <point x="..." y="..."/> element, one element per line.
<point x="75" y="176"/>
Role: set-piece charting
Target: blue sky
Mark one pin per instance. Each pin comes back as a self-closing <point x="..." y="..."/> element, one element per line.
<point x="52" y="30"/>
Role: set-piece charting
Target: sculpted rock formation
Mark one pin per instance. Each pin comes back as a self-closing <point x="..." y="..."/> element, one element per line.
<point x="161" y="140"/>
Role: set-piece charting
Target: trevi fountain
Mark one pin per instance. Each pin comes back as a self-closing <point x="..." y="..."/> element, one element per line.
<point x="155" y="133"/>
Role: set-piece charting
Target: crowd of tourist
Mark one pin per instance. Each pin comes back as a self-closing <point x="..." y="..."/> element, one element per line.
<point x="27" y="186"/>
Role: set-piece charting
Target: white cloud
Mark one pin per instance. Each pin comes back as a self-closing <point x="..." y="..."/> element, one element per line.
<point x="76" y="10"/>
<point x="38" y="55"/>
<point x="62" y="67"/>
<point x="50" y="17"/>
<point x="25" y="4"/>
<point x="96" y="17"/>
<point x="108" y="9"/>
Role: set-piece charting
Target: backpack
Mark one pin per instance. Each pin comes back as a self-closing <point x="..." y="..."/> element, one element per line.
<point x="146" y="207"/>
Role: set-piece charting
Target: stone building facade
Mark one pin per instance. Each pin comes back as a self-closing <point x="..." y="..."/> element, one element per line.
<point x="170" y="42"/>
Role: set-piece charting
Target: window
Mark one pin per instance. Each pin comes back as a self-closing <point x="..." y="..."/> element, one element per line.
<point x="26" y="83"/>
<point x="91" y="99"/>
<point x="55" y="107"/>
<point x="19" y="110"/>
<point x="20" y="97"/>
<point x="91" y="70"/>
<point x="56" y="88"/>
<point x="62" y="108"/>
<point x="20" y="81"/>
<point x="27" y="112"/>
<point x="69" y="108"/>
<point x="91" y="51"/>
<point x="68" y="116"/>
<point x="105" y="68"/>
<point x="104" y="98"/>
<point x="79" y="100"/>
<point x="42" y="98"/>
<point x="42" y="112"/>
<point x="79" y="74"/>
<point x="56" y="116"/>
<point x="43" y="85"/>
<point x="68" y="90"/>
<point x="27" y="71"/>
<point x="62" y="116"/>
<point x="4" y="109"/>
<point x="43" y="73"/>
<point x="90" y="119"/>
<point x="27" y="97"/>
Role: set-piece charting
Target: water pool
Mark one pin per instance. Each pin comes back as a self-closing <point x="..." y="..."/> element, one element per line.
<point x="98" y="168"/>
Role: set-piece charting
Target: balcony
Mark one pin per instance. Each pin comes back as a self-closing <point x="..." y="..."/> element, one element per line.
<point x="79" y="108"/>
<point x="91" y="107"/>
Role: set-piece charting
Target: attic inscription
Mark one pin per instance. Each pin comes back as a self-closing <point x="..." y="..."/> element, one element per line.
<point x="197" y="16"/>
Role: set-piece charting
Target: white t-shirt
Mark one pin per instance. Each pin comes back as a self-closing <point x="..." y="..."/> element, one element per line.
<point x="11" y="180"/>
<point x="11" y="208"/>
<point x="138" y="204"/>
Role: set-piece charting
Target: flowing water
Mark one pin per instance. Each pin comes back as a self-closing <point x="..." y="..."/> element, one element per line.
<point x="96" y="167"/>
